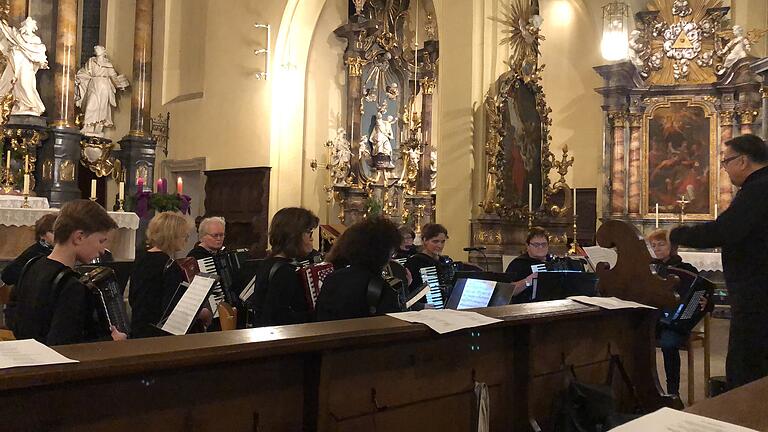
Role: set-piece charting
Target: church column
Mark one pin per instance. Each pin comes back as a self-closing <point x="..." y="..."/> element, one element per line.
<point x="725" y="186"/>
<point x="618" y="180"/>
<point x="635" y="183"/>
<point x="138" y="147"/>
<point x="354" y="93"/>
<point x="17" y="12"/>
<point x="63" y="149"/>
<point x="746" y="120"/>
<point x="427" y="90"/>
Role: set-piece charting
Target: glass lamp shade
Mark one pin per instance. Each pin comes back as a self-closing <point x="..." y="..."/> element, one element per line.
<point x="615" y="43"/>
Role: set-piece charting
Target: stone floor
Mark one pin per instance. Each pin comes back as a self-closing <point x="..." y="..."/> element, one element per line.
<point x="719" y="347"/>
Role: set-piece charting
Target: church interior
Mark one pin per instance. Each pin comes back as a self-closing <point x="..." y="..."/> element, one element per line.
<point x="599" y="126"/>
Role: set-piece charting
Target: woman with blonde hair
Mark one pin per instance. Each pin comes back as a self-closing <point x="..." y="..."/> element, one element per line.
<point x="156" y="276"/>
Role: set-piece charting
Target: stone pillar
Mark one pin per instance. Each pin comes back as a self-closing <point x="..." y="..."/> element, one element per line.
<point x="17" y="12"/>
<point x="63" y="148"/>
<point x="618" y="179"/>
<point x="724" y="184"/>
<point x="746" y="120"/>
<point x="423" y="182"/>
<point x="635" y="145"/>
<point x="138" y="147"/>
<point x="354" y="117"/>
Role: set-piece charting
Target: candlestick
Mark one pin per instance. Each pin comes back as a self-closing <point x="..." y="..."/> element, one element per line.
<point x="93" y="190"/>
<point x="716" y="211"/>
<point x="120" y="203"/>
<point x="26" y="163"/>
<point x="179" y="186"/>
<point x="8" y="160"/>
<point x="657" y="215"/>
<point x="25" y="190"/>
<point x="121" y="191"/>
<point x="574" y="250"/>
<point x="574" y="202"/>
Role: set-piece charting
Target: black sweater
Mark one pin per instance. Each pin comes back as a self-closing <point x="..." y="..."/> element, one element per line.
<point x="55" y="313"/>
<point x="154" y="281"/>
<point x="345" y="295"/>
<point x="279" y="300"/>
<point x="12" y="272"/>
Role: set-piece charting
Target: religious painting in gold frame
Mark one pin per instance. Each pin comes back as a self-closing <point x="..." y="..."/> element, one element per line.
<point x="680" y="158"/>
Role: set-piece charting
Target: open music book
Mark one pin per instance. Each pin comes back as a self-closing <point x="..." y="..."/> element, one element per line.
<point x="597" y="254"/>
<point x="185" y="311"/>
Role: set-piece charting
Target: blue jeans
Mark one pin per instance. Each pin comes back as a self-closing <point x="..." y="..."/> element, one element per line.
<point x="670" y="342"/>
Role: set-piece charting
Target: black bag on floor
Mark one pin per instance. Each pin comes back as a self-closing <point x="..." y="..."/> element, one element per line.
<point x="583" y="407"/>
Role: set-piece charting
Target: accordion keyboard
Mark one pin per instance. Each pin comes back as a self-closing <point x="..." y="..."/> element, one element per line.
<point x="435" y="294"/>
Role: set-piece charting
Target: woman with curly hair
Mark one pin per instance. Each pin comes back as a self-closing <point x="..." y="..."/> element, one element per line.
<point x="357" y="288"/>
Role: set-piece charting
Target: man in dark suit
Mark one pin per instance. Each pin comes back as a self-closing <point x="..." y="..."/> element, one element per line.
<point x="742" y="233"/>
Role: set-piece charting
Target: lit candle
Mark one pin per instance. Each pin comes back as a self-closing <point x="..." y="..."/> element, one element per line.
<point x="657" y="215"/>
<point x="93" y="188"/>
<point x="530" y="197"/>
<point x="140" y="184"/>
<point x="158" y="185"/>
<point x="25" y="191"/>
<point x="179" y="186"/>
<point x="574" y="202"/>
<point x="8" y="161"/>
<point x="121" y="191"/>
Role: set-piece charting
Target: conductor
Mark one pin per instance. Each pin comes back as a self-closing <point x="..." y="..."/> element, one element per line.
<point x="742" y="233"/>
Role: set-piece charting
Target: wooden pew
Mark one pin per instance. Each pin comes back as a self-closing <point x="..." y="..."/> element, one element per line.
<point x="366" y="374"/>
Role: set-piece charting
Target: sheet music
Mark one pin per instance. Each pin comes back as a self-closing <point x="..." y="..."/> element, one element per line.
<point x="477" y="293"/>
<point x="609" y="302"/>
<point x="29" y="352"/>
<point x="445" y="320"/>
<point x="418" y="295"/>
<point x="186" y="309"/>
<point x="598" y="254"/>
<point x="670" y="420"/>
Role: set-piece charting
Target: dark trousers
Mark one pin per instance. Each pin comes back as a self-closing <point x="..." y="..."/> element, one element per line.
<point x="747" y="359"/>
<point x="670" y="342"/>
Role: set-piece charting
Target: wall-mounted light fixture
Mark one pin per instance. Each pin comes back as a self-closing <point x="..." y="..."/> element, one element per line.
<point x="615" y="43"/>
<point x="265" y="51"/>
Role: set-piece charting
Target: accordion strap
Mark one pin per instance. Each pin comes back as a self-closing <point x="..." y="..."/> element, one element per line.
<point x="373" y="294"/>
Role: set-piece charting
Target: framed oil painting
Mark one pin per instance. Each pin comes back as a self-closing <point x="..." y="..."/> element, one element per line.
<point x="680" y="158"/>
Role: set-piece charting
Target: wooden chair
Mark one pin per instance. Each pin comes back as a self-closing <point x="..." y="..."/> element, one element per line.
<point x="700" y="334"/>
<point x="227" y="316"/>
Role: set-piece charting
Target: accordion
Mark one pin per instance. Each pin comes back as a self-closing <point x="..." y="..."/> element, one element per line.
<point x="440" y="280"/>
<point x="226" y="265"/>
<point x="312" y="277"/>
<point x="103" y="285"/>
<point x="692" y="289"/>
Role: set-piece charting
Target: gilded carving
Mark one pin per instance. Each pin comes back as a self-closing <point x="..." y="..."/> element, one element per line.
<point x="428" y="85"/>
<point x="47" y="170"/>
<point x="488" y="237"/>
<point x="617" y="118"/>
<point x="95" y="155"/>
<point x="355" y="66"/>
<point x="635" y="121"/>
<point x="67" y="171"/>
<point x="748" y="116"/>
<point x="726" y="118"/>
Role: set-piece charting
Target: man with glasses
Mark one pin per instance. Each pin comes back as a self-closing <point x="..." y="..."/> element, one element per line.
<point x="211" y="237"/>
<point x="537" y="252"/>
<point x="742" y="233"/>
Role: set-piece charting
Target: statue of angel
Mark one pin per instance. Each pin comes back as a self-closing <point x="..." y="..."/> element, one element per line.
<point x="637" y="49"/>
<point x="738" y="48"/>
<point x="26" y="55"/>
<point x="341" y="154"/>
<point x="96" y="84"/>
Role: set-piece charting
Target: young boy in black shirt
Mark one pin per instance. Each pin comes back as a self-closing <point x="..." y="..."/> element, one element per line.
<point x="52" y="305"/>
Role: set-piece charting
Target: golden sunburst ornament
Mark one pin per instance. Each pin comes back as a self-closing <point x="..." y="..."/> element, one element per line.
<point x="523" y="27"/>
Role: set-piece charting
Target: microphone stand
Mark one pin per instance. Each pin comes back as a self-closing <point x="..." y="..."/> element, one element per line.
<point x="482" y="251"/>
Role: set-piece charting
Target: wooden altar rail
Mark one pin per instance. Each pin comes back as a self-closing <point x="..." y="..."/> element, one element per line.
<point x="367" y="374"/>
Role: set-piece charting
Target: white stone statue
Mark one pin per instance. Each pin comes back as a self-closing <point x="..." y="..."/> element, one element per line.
<point x="26" y="55"/>
<point x="341" y="154"/>
<point x="96" y="83"/>
<point x="738" y="48"/>
<point x="381" y="135"/>
<point x="636" y="49"/>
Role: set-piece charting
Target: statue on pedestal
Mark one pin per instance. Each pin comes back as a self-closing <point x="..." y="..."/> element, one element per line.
<point x="341" y="154"/>
<point x="738" y="48"/>
<point x="96" y="83"/>
<point x="382" y="133"/>
<point x="26" y="55"/>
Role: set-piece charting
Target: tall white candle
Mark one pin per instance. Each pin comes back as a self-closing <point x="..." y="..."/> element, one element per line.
<point x="26" y="163"/>
<point x="8" y="160"/>
<point x="530" y="197"/>
<point x="716" y="214"/>
<point x="93" y="188"/>
<point x="657" y="215"/>
<point x="25" y="191"/>
<point x="121" y="191"/>
<point x="574" y="202"/>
